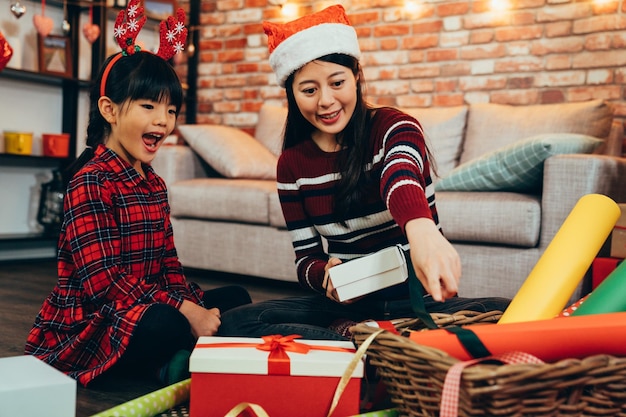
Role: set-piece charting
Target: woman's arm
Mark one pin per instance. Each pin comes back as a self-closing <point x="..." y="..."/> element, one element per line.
<point x="407" y="189"/>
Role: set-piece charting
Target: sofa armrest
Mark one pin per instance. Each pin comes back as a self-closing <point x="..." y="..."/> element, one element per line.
<point x="569" y="177"/>
<point x="176" y="163"/>
<point x="615" y="141"/>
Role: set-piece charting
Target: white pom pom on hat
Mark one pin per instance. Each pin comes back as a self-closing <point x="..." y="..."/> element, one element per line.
<point x="294" y="44"/>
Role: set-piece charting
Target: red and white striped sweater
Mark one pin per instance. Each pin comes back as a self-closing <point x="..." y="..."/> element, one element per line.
<point x="306" y="179"/>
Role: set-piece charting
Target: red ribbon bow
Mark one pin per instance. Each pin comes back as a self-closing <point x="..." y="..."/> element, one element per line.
<point x="278" y="346"/>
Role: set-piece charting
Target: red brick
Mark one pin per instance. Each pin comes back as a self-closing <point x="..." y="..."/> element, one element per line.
<point x="434" y="26"/>
<point x="448" y="100"/>
<point x="517" y="33"/>
<point x="389" y="44"/>
<point x="437" y="55"/>
<point x="515" y="97"/>
<point x="420" y="42"/>
<point x="552" y="96"/>
<point x="422" y="86"/>
<point x="459" y="8"/>
<point x="483" y="51"/>
<point x="391" y="30"/>
<point x="226" y="107"/>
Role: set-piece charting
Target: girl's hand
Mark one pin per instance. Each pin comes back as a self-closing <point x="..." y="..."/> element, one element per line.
<point x="437" y="264"/>
<point x="204" y="322"/>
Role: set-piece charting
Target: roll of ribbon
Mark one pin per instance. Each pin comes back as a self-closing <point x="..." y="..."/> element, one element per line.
<point x="554" y="278"/>
<point x="608" y="297"/>
<point x="550" y="340"/>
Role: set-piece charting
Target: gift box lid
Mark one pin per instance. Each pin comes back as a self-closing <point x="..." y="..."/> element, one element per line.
<point x="27" y="372"/>
<point x="239" y="355"/>
<point x="378" y="263"/>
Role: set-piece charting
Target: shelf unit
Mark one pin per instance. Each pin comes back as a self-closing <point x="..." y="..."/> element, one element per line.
<point x="69" y="89"/>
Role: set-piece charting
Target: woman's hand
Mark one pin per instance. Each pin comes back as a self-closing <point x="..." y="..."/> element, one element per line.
<point x="327" y="283"/>
<point x="437" y="264"/>
<point x="204" y="322"/>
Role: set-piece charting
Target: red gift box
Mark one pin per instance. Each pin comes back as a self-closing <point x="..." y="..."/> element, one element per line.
<point x="286" y="377"/>
<point x="618" y="236"/>
<point x="602" y="268"/>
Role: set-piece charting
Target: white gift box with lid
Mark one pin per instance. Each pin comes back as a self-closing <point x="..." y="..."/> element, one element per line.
<point x="370" y="273"/>
<point x="31" y="387"/>
<point x="227" y="371"/>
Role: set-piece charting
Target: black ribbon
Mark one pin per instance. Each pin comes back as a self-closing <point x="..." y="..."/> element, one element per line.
<point x="468" y="338"/>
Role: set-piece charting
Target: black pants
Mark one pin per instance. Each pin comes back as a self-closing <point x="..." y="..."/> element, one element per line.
<point x="163" y="330"/>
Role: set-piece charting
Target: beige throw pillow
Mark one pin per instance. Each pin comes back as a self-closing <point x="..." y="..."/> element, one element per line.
<point x="443" y="129"/>
<point x="230" y="151"/>
<point x="492" y="126"/>
<point x="270" y="127"/>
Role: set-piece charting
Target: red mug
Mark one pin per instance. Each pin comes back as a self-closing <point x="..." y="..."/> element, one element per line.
<point x="56" y="145"/>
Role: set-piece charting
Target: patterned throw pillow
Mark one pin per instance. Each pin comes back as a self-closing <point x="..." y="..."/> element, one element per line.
<point x="515" y="167"/>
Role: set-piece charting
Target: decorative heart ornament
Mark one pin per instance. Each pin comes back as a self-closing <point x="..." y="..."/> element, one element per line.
<point x="18" y="9"/>
<point x="43" y="24"/>
<point x="91" y="32"/>
<point x="6" y="52"/>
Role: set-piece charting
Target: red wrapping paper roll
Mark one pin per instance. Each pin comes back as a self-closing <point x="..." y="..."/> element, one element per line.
<point x="549" y="340"/>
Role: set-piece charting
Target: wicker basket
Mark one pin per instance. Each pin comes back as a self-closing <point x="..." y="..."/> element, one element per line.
<point x="414" y="375"/>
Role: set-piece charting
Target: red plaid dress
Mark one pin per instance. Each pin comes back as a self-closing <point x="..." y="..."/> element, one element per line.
<point x="116" y="257"/>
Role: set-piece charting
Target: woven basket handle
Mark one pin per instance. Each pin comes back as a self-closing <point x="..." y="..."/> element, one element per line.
<point x="450" y="394"/>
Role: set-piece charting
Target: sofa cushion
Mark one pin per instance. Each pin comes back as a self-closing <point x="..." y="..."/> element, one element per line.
<point x="270" y="127"/>
<point x="231" y="152"/>
<point x="239" y="200"/>
<point x="490" y="217"/>
<point x="515" y="167"/>
<point x="490" y="126"/>
<point x="443" y="128"/>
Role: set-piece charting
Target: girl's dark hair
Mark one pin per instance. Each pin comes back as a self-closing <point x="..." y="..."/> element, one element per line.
<point x="354" y="138"/>
<point x="142" y="75"/>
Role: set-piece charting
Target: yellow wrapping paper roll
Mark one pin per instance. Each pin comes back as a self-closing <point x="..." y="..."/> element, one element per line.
<point x="569" y="255"/>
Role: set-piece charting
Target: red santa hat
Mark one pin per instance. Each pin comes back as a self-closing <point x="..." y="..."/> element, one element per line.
<point x="294" y="44"/>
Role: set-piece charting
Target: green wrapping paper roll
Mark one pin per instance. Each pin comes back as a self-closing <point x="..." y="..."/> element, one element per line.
<point x="153" y="403"/>
<point x="609" y="297"/>
<point x="562" y="266"/>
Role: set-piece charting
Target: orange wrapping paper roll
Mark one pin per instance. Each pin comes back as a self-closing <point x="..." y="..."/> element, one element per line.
<point x="549" y="340"/>
<point x="569" y="255"/>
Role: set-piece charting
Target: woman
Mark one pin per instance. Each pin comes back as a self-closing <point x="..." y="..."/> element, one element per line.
<point x="355" y="175"/>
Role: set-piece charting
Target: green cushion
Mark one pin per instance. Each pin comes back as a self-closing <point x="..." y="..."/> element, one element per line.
<point x="515" y="167"/>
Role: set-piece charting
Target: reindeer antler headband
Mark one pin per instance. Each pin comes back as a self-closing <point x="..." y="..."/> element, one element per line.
<point x="129" y="22"/>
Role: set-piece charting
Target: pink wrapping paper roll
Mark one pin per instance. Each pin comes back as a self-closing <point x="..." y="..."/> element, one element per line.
<point x="549" y="340"/>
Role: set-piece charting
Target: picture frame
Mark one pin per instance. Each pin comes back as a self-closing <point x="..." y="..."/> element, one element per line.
<point x="159" y="9"/>
<point x="55" y="55"/>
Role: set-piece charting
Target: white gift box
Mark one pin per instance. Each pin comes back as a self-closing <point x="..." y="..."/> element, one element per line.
<point x="370" y="273"/>
<point x="227" y="371"/>
<point x="31" y="387"/>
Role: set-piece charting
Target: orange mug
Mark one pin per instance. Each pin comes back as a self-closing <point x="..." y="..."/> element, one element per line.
<point x="56" y="145"/>
<point x="19" y="143"/>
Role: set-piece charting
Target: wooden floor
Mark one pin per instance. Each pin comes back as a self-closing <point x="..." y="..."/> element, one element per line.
<point x="25" y="284"/>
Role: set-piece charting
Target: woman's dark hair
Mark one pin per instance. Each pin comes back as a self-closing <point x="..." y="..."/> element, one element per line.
<point x="142" y="75"/>
<point x="354" y="138"/>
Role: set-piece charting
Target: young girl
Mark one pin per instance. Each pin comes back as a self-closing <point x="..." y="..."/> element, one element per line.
<point x="121" y="301"/>
<point x="355" y="175"/>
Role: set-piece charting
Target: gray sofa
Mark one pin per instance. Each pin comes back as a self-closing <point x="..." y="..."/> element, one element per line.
<point x="227" y="217"/>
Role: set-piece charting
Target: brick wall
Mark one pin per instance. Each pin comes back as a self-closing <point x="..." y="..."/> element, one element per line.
<point x="444" y="53"/>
